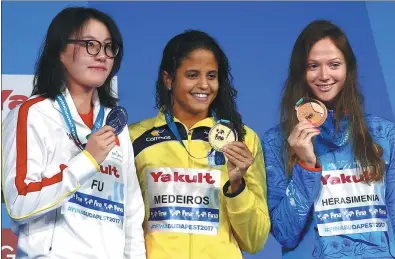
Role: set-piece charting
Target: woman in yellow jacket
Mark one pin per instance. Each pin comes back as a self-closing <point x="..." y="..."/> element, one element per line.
<point x="205" y="195"/>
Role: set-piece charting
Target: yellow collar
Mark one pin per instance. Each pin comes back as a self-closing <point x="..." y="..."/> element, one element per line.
<point x="160" y="120"/>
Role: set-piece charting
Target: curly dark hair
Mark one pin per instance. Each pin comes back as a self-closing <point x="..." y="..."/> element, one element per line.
<point x="176" y="50"/>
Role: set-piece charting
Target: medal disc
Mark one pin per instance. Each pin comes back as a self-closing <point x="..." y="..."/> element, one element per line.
<point x="221" y="134"/>
<point x="312" y="110"/>
<point x="117" y="118"/>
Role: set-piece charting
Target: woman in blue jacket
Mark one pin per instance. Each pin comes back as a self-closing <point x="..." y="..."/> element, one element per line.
<point x="331" y="184"/>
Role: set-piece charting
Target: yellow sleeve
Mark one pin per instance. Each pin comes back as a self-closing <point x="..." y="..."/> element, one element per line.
<point x="248" y="211"/>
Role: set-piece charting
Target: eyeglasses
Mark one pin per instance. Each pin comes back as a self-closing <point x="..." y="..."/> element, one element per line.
<point x="93" y="47"/>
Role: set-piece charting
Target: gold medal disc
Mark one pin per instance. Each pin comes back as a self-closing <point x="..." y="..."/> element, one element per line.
<point x="221" y="134"/>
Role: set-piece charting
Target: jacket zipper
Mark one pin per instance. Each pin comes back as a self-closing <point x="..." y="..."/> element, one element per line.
<point x="53" y="232"/>
<point x="190" y="159"/>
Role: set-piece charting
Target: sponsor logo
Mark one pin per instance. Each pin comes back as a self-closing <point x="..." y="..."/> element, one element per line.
<point x="157" y="132"/>
<point x="156" y="135"/>
<point x="9" y="244"/>
<point x="11" y="100"/>
<point x="344" y="179"/>
<point x="182" y="178"/>
<point x="116" y="155"/>
<point x="110" y="170"/>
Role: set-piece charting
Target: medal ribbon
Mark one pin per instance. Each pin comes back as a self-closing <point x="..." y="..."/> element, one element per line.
<point x="70" y="121"/>
<point x="172" y="125"/>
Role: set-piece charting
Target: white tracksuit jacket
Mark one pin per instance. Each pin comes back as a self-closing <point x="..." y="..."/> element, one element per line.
<point x="65" y="205"/>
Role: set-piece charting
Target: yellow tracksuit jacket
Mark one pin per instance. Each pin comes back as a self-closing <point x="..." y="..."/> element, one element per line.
<point x="188" y="216"/>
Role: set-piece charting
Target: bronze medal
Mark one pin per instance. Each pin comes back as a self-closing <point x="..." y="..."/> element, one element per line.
<point x="312" y="110"/>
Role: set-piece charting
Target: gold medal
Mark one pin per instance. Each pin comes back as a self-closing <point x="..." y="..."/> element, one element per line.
<point x="221" y="134"/>
<point x="312" y="110"/>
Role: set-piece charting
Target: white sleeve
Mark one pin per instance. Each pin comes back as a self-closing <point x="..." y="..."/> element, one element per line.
<point x="135" y="211"/>
<point x="31" y="184"/>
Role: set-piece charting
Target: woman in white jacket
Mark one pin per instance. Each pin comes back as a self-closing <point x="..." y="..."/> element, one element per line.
<point x="69" y="179"/>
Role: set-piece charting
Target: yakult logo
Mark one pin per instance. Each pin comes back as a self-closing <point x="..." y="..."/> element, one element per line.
<point x="182" y="178"/>
<point x="110" y="170"/>
<point x="10" y="99"/>
<point x="15" y="90"/>
<point x="344" y="179"/>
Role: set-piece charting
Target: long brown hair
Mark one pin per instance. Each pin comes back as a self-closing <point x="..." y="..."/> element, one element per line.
<point x="348" y="101"/>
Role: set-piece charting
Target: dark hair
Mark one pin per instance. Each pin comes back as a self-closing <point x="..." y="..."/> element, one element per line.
<point x="348" y="103"/>
<point x="49" y="77"/>
<point x="178" y="49"/>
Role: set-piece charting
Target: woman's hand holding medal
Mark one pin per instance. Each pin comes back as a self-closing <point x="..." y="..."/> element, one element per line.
<point x="223" y="138"/>
<point x="239" y="160"/>
<point x="102" y="141"/>
<point x="300" y="141"/>
<point x="311" y="114"/>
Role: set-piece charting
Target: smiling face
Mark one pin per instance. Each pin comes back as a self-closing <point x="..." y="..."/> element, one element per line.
<point x="83" y="69"/>
<point x="195" y="85"/>
<point x="326" y="71"/>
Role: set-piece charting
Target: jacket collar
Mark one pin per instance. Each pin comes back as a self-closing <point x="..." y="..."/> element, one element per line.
<point x="330" y="138"/>
<point x="73" y="110"/>
<point x="160" y="121"/>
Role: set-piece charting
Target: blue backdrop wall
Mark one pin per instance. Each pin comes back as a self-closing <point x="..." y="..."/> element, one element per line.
<point x="257" y="37"/>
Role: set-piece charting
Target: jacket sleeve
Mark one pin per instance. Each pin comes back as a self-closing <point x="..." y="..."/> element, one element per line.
<point x="247" y="209"/>
<point x="390" y="178"/>
<point x="290" y="200"/>
<point x="31" y="185"/>
<point x="135" y="212"/>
